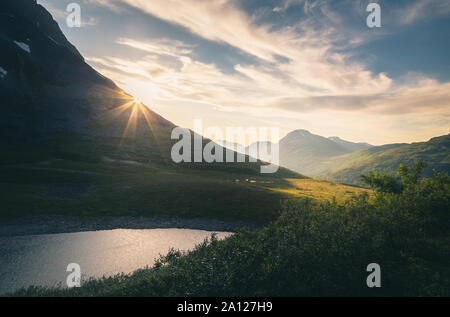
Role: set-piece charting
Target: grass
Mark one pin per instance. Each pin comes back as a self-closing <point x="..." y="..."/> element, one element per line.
<point x="319" y="190"/>
<point x="125" y="188"/>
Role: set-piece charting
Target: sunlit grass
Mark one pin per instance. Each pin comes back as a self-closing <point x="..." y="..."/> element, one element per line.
<point x="318" y="189"/>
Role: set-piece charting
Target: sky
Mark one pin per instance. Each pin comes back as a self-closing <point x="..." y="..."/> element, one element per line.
<point x="289" y="64"/>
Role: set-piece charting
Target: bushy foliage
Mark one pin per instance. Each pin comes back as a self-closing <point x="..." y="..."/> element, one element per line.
<point x="383" y="182"/>
<point x="406" y="176"/>
<point x="313" y="249"/>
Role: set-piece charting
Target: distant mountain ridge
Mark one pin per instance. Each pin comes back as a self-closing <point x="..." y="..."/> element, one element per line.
<point x="343" y="161"/>
<point x="351" y="146"/>
<point x="302" y="151"/>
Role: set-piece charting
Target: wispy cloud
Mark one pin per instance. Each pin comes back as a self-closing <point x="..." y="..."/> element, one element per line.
<point x="220" y="21"/>
<point x="421" y="10"/>
<point x="286" y="4"/>
<point x="110" y="4"/>
<point x="311" y="61"/>
<point x="274" y="87"/>
<point x="423" y="96"/>
<point x="160" y="47"/>
<point x="302" y="68"/>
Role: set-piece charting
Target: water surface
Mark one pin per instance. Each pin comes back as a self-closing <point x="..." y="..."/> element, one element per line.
<point x="42" y="259"/>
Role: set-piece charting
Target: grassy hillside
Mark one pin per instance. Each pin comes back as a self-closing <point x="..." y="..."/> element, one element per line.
<point x="119" y="187"/>
<point x="312" y="249"/>
<point x="347" y="168"/>
<point x="318" y="190"/>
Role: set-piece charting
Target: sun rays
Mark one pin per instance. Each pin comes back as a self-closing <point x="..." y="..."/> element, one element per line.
<point x="135" y="110"/>
<point x="130" y="130"/>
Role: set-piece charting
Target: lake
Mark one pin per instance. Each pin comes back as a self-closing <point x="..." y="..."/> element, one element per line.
<point x="42" y="260"/>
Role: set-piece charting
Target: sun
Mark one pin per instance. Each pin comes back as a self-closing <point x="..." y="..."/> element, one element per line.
<point x="136" y="109"/>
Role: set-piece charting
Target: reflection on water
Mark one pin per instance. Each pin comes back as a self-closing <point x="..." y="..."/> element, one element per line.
<point x="43" y="259"/>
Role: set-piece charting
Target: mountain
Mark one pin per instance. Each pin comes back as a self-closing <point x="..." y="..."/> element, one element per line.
<point x="74" y="143"/>
<point x="350" y="146"/>
<point x="53" y="103"/>
<point x="259" y="149"/>
<point x="301" y="151"/>
<point x="338" y="160"/>
<point x="232" y="146"/>
<point x="347" y="168"/>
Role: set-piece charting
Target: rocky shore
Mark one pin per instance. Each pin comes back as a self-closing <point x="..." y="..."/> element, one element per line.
<point x="35" y="225"/>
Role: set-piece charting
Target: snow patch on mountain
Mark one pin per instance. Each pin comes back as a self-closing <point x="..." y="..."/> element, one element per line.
<point x="3" y="72"/>
<point x="23" y="46"/>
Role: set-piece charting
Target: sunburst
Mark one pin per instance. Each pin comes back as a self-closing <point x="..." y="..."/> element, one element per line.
<point x="130" y="130"/>
<point x="136" y="109"/>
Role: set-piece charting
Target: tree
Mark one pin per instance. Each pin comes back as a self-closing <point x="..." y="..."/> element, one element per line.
<point x="386" y="183"/>
<point x="383" y="183"/>
<point x="411" y="175"/>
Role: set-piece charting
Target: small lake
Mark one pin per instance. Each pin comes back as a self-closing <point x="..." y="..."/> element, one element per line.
<point x="42" y="260"/>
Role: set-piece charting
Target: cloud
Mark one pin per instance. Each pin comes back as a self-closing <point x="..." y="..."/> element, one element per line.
<point x="272" y="87"/>
<point x="109" y="4"/>
<point x="426" y="96"/>
<point x="160" y="47"/>
<point x="421" y="10"/>
<point x="90" y="21"/>
<point x="308" y="51"/>
<point x="286" y="4"/>
<point x="312" y="78"/>
<point x="220" y="21"/>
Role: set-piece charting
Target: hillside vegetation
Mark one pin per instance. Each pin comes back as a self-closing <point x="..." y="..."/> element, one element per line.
<point x="342" y="161"/>
<point x="313" y="249"/>
<point x="88" y="186"/>
<point x="385" y="159"/>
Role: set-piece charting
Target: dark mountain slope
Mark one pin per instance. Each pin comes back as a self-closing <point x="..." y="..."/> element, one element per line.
<point x="51" y="97"/>
<point x="52" y="101"/>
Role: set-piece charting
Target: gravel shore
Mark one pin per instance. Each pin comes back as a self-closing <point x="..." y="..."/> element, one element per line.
<point x="34" y="225"/>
